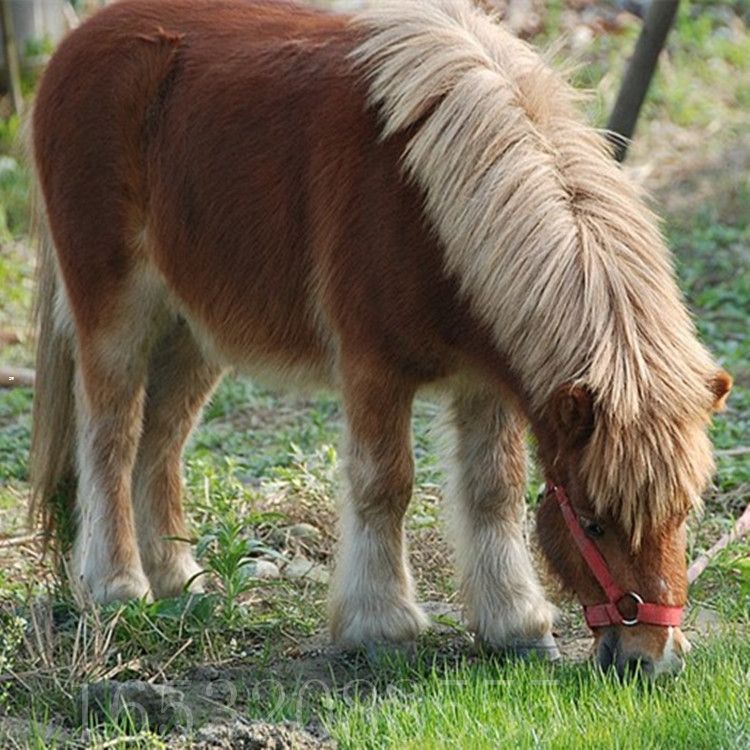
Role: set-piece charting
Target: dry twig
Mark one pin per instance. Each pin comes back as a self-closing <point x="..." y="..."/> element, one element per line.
<point x="740" y="450"/>
<point x="71" y="17"/>
<point x="701" y="562"/>
<point x="19" y="541"/>
<point x="16" y="377"/>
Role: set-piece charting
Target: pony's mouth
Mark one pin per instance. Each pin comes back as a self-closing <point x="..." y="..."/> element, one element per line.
<point x="609" y="653"/>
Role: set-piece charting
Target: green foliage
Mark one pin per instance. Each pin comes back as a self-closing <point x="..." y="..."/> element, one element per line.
<point x="11" y="627"/>
<point x="10" y="128"/>
<point x="14" y="452"/>
<point x="709" y="253"/>
<point x="143" y="627"/>
<point x="724" y="588"/>
<point x="310" y="478"/>
<point x="275" y="424"/>
<point x="14" y="183"/>
<point x="226" y="552"/>
<point x="39" y="46"/>
<point x="706" y="53"/>
<point x="16" y="283"/>
<point x="15" y="424"/>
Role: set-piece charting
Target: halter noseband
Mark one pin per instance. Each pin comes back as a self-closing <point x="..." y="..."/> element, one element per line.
<point x="603" y="615"/>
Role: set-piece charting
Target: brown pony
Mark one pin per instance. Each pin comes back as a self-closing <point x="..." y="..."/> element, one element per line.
<point x="385" y="203"/>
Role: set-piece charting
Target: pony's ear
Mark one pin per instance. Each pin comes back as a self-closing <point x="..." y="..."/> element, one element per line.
<point x="720" y="385"/>
<point x="572" y="411"/>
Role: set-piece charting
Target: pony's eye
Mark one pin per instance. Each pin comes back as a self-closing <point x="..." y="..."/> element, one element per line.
<point x="592" y="529"/>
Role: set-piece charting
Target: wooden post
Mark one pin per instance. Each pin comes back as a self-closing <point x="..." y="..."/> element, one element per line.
<point x="658" y="22"/>
<point x="11" y="55"/>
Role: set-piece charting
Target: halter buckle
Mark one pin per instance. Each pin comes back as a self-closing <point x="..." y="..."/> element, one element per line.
<point x="638" y="600"/>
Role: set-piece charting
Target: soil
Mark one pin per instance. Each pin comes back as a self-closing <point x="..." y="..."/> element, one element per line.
<point x="253" y="735"/>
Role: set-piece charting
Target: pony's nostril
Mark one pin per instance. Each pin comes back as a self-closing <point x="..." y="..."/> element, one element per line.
<point x="607" y="650"/>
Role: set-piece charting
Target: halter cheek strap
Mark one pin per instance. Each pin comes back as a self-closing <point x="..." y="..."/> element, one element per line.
<point x="608" y="613"/>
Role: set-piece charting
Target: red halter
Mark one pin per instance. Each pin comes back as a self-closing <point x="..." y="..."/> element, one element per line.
<point x="603" y="615"/>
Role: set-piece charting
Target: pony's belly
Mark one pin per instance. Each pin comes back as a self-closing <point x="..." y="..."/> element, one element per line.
<point x="258" y="318"/>
<point x="266" y="355"/>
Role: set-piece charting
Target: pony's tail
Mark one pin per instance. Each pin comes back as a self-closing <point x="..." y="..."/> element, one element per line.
<point x="52" y="456"/>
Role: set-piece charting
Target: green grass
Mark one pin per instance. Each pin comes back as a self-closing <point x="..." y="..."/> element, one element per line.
<point x="15" y="426"/>
<point x="531" y="706"/>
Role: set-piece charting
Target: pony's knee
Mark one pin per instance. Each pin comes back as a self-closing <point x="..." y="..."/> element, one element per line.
<point x="379" y="488"/>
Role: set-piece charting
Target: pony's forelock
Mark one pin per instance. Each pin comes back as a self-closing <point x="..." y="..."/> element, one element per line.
<point x="552" y="244"/>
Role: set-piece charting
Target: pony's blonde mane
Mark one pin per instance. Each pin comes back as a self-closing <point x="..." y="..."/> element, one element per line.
<point x="551" y="243"/>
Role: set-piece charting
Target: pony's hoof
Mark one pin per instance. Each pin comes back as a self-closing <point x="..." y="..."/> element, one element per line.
<point x="122" y="587"/>
<point x="383" y="652"/>
<point x="543" y="648"/>
<point x="355" y="626"/>
<point x="176" y="577"/>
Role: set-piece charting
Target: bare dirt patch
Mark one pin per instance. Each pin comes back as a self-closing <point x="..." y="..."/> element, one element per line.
<point x="253" y="735"/>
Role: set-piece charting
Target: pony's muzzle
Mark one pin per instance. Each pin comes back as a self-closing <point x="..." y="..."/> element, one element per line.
<point x="646" y="654"/>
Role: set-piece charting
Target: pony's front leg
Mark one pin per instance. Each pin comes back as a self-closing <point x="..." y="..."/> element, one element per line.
<point x="505" y="604"/>
<point x="372" y="593"/>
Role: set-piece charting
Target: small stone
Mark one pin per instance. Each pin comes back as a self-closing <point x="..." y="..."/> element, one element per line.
<point x="582" y="37"/>
<point x="319" y="574"/>
<point x="301" y="533"/>
<point x="205" y="673"/>
<point x="305" y="532"/>
<point x="707" y="622"/>
<point x="251" y="481"/>
<point x="263" y="570"/>
<point x="301" y="567"/>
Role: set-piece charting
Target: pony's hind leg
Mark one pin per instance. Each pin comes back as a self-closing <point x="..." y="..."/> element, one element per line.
<point x="505" y="604"/>
<point x="112" y="354"/>
<point x="372" y="598"/>
<point x="179" y="382"/>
